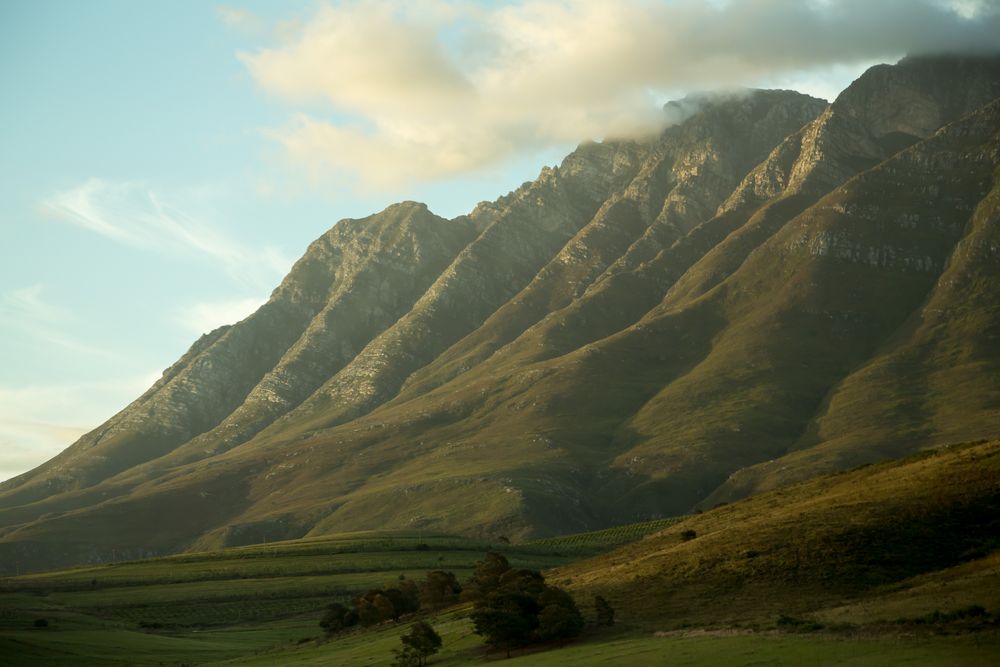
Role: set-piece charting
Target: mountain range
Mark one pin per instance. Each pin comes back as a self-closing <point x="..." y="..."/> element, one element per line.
<point x="769" y="289"/>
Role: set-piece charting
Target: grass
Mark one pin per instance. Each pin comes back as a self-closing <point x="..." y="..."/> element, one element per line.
<point x="629" y="648"/>
<point x="882" y="541"/>
<point x="218" y="605"/>
<point x="869" y="567"/>
<point x="602" y="540"/>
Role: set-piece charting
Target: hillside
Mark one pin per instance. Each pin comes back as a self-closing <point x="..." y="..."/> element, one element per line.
<point x="770" y="289"/>
<point x="894" y="563"/>
<point x="890" y="541"/>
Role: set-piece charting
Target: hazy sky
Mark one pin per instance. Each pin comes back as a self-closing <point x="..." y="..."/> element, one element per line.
<point x="163" y="164"/>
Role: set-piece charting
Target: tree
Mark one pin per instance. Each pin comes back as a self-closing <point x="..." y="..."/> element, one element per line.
<point x="405" y="598"/>
<point x="439" y="589"/>
<point x="559" y="617"/>
<point x="419" y="643"/>
<point x="336" y="618"/>
<point x="374" y="607"/>
<point x="485" y="579"/>
<point x="505" y="619"/>
<point x="559" y="622"/>
<point x="528" y="582"/>
<point x="605" y="613"/>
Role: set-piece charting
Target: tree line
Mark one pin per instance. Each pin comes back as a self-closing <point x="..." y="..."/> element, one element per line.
<point x="510" y="608"/>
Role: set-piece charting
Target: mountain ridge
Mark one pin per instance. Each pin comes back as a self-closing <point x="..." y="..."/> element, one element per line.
<point x="651" y="322"/>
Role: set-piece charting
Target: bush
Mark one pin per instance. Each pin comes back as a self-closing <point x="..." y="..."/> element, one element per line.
<point x="688" y="535"/>
<point x="798" y="624"/>
<point x="604" y="612"/>
<point x="41" y="623"/>
<point x="337" y="617"/>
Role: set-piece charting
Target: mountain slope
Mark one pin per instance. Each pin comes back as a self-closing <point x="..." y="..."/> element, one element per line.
<point x="869" y="540"/>
<point x="767" y="290"/>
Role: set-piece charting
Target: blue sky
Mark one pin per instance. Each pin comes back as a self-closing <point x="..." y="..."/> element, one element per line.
<point x="163" y="163"/>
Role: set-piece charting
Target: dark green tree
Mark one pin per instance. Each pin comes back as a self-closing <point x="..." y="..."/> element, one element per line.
<point x="528" y="582"/>
<point x="405" y="598"/>
<point x="558" y="622"/>
<point x="485" y="579"/>
<point x="336" y="618"/>
<point x="558" y="618"/>
<point x="505" y="619"/>
<point x="604" y="611"/>
<point x="419" y="643"/>
<point x="439" y="589"/>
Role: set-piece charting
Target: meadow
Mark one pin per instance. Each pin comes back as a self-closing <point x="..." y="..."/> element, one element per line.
<point x="892" y="564"/>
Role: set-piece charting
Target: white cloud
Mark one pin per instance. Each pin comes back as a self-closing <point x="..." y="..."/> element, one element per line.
<point x="423" y="90"/>
<point x="137" y="216"/>
<point x="39" y="421"/>
<point x="199" y="318"/>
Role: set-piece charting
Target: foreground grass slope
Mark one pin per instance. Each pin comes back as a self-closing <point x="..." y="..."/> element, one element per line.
<point x="883" y="542"/>
<point x="861" y="559"/>
<point x="876" y="566"/>
<point x="208" y="606"/>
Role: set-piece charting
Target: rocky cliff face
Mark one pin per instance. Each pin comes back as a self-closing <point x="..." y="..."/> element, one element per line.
<point x="772" y="288"/>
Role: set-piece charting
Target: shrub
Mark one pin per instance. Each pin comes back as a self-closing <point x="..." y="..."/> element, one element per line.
<point x="605" y="613"/>
<point x="337" y="617"/>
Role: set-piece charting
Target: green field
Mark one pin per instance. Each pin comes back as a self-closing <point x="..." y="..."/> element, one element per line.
<point x="203" y="607"/>
<point x="630" y="648"/>
<point x="595" y="542"/>
<point x="869" y="567"/>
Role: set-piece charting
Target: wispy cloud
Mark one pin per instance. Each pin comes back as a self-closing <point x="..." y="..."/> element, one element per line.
<point x="25" y="311"/>
<point x="27" y="303"/>
<point x="202" y="317"/>
<point x="423" y="90"/>
<point x="242" y="20"/>
<point x="135" y="215"/>
<point x="39" y="421"/>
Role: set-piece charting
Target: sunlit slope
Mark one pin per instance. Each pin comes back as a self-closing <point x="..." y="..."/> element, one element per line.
<point x="883" y="542"/>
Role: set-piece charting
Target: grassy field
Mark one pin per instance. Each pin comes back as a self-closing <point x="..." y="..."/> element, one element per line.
<point x="598" y="541"/>
<point x="630" y="648"/>
<point x="870" y="567"/>
<point x="202" y="607"/>
<point x="197" y="608"/>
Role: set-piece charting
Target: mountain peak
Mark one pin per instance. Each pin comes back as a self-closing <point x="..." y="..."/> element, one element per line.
<point x="767" y="288"/>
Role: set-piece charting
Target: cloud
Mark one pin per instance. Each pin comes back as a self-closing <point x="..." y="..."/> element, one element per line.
<point x="135" y="215"/>
<point x="242" y="20"/>
<point x="420" y="91"/>
<point x="39" y="421"/>
<point x="26" y="312"/>
<point x="202" y="317"/>
<point x="27" y="303"/>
